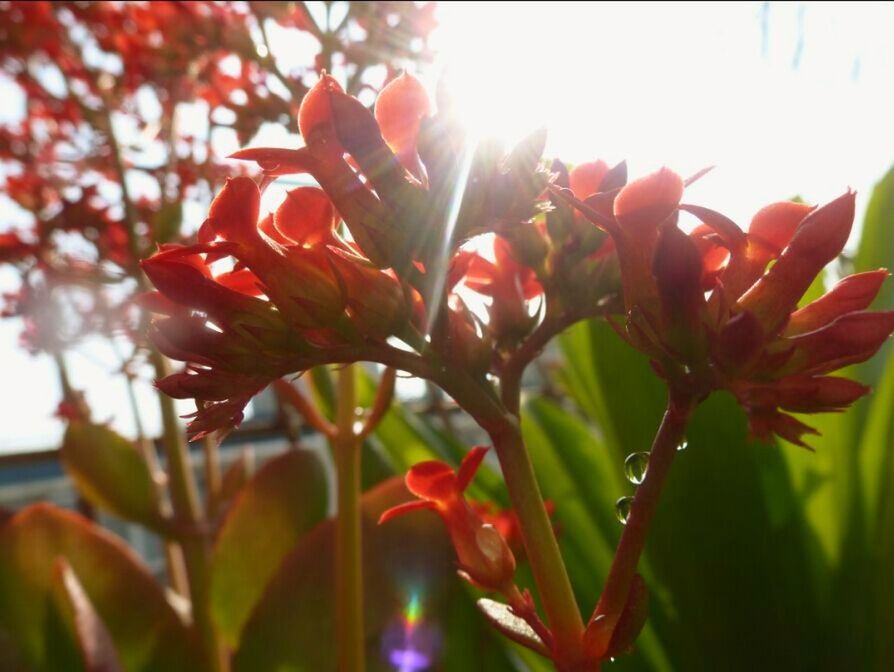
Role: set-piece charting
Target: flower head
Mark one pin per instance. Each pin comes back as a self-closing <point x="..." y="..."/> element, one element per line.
<point x="717" y="308"/>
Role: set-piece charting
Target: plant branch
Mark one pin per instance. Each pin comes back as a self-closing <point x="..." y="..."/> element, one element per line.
<point x="633" y="538"/>
<point x="349" y="550"/>
<point x="514" y="367"/>
<point x="311" y="414"/>
<point x="542" y="548"/>
<point x="381" y="403"/>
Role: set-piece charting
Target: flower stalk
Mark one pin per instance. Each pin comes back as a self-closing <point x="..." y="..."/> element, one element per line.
<point x="633" y="539"/>
<point x="553" y="584"/>
<point x="348" y="545"/>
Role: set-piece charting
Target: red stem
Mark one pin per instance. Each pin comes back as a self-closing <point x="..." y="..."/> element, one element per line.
<point x="633" y="538"/>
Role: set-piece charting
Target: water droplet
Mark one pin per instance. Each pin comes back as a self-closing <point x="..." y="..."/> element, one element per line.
<point x="635" y="467"/>
<point x="622" y="509"/>
<point x="683" y="445"/>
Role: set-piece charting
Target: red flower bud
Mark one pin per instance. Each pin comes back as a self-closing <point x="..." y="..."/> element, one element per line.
<point x="315" y="118"/>
<point x="400" y="108"/>
<point x="305" y="217"/>
<point x="818" y="240"/>
<point x="234" y="211"/>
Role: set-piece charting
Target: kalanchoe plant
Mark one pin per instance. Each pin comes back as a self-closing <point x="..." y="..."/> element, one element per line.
<point x="388" y="287"/>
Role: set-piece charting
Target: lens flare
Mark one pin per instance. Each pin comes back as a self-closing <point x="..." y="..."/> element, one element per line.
<point x="409" y="643"/>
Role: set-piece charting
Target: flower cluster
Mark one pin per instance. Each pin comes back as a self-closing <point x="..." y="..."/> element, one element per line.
<point x="378" y="263"/>
<point x="717" y="308"/>
<point x="303" y="291"/>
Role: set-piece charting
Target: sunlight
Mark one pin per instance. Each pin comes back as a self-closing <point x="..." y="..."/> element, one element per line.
<point x="672" y="84"/>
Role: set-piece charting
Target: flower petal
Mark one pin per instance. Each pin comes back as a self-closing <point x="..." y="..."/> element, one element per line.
<point x="469" y="466"/>
<point x="850" y="294"/>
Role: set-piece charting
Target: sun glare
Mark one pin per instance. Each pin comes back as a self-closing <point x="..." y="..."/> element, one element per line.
<point x="785" y="104"/>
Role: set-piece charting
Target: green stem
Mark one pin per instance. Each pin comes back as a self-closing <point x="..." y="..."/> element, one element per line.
<point x="348" y="551"/>
<point x="541" y="546"/>
<point x="645" y="502"/>
<point x="174" y="563"/>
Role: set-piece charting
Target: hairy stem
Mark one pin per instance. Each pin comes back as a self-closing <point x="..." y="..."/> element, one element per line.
<point x="645" y="502"/>
<point x="348" y="549"/>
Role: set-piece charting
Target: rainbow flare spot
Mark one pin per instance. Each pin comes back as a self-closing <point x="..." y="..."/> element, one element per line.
<point x="411" y="652"/>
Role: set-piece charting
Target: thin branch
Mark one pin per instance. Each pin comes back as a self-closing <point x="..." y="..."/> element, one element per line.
<point x="381" y="404"/>
<point x="291" y="395"/>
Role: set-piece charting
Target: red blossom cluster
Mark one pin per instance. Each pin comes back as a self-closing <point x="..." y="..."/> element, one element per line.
<point x="303" y="294"/>
<point x="376" y="265"/>
<point x="717" y="308"/>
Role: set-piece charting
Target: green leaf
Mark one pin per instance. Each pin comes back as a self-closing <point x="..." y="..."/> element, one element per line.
<point x="614" y="385"/>
<point x="167" y="221"/>
<point x="110" y="472"/>
<point x="146" y="631"/>
<point x="876" y="250"/>
<point x="876" y="455"/>
<point x="292" y="628"/>
<point x="285" y="499"/>
<point x="730" y="546"/>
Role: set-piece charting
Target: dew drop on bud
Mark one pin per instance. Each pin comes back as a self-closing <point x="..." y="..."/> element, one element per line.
<point x="622" y="509"/>
<point x="683" y="445"/>
<point x="635" y="467"/>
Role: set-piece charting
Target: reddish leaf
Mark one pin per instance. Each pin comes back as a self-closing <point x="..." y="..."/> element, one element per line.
<point x="79" y="614"/>
<point x="146" y="631"/>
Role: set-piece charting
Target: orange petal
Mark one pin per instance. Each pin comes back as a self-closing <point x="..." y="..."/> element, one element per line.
<point x="470" y="465"/>
<point x="650" y="199"/>
<point x="306" y="216"/>
<point x="586" y="178"/>
<point x="850" y="339"/>
<point x="401" y="509"/>
<point x="400" y="108"/>
<point x="773" y="226"/>
<point x="315" y="115"/>
<point x="850" y="294"/>
<point x="234" y="212"/>
<point x="432" y="480"/>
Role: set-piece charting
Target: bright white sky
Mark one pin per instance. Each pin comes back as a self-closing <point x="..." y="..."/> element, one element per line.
<point x="784" y="98"/>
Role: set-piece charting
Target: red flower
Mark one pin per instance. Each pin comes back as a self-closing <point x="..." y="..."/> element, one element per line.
<point x="747" y="334"/>
<point x="511" y="285"/>
<point x="400" y="109"/>
<point x="483" y="554"/>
